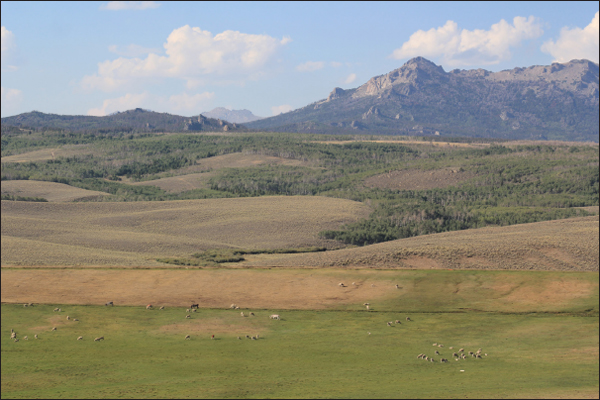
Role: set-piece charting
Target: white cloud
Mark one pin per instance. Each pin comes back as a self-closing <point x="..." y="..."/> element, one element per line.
<point x="8" y="47"/>
<point x="461" y="47"/>
<point x="10" y="99"/>
<point x="310" y="66"/>
<point x="177" y="104"/>
<point x="350" y="78"/>
<point x="129" y="5"/>
<point x="276" y="110"/>
<point x="191" y="53"/>
<point x="133" y="50"/>
<point x="336" y="64"/>
<point x="11" y="95"/>
<point x="575" y="43"/>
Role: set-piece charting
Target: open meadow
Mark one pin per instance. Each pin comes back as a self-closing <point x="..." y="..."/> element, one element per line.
<point x="339" y="351"/>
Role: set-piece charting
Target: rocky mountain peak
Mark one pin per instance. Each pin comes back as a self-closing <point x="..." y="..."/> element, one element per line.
<point x="415" y="71"/>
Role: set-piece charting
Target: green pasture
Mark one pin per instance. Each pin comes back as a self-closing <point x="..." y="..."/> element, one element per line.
<point x="308" y="354"/>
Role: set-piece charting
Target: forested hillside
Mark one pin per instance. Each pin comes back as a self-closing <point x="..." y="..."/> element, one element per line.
<point x="486" y="183"/>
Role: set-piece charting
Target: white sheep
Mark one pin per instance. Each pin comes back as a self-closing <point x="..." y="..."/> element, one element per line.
<point x="25" y="338"/>
<point x="187" y="337"/>
<point x="99" y="339"/>
<point x="35" y="336"/>
<point x="274" y="316"/>
<point x="242" y="314"/>
<point x="53" y="329"/>
<point x="80" y="338"/>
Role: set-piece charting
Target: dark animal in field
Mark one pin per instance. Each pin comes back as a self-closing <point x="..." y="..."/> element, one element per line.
<point x="195" y="306"/>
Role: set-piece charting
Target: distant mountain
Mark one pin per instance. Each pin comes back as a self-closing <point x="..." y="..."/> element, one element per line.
<point x="235" y="116"/>
<point x="137" y="120"/>
<point x="559" y="101"/>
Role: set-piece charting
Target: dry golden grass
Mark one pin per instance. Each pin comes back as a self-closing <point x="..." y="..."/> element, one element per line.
<point x="189" y="178"/>
<point x="567" y="245"/>
<point x="418" y="180"/>
<point x="48" y="154"/>
<point x="304" y="289"/>
<point x="407" y="141"/>
<point x="136" y="233"/>
<point x="51" y="191"/>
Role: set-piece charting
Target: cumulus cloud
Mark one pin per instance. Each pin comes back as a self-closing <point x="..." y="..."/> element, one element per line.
<point x="191" y="53"/>
<point x="575" y="43"/>
<point x="129" y="5"/>
<point x="8" y="47"/>
<point x="178" y="104"/>
<point x="133" y="50"/>
<point x="350" y="78"/>
<point x="276" y="110"/>
<point x="462" y="47"/>
<point x="310" y="66"/>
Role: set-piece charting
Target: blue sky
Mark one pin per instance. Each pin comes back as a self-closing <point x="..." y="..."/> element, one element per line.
<point x="95" y="58"/>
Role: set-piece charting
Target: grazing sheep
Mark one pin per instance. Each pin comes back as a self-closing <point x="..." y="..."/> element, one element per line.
<point x="437" y="353"/>
<point x="80" y="338"/>
<point x="68" y="318"/>
<point x="239" y="338"/>
<point x="461" y="350"/>
<point x="25" y="338"/>
<point x="26" y="305"/>
<point x="149" y="306"/>
<point x="35" y="336"/>
<point x="56" y="309"/>
<point x="233" y="306"/>
<point x="188" y="316"/>
<point x="242" y="314"/>
<point x="368" y="308"/>
<point x="257" y="337"/>
<point x="440" y="345"/>
<point x="426" y="358"/>
<point x="53" y="329"/>
<point x="252" y="314"/>
<point x="456" y="359"/>
<point x="187" y="311"/>
<point x="435" y="344"/>
<point x="99" y="339"/>
<point x="397" y="287"/>
<point x="398" y="322"/>
<point x="253" y="337"/>
<point x="389" y="324"/>
<point x="450" y="347"/>
<point x="237" y="308"/>
<point x="454" y="355"/>
<point x="443" y="360"/>
<point x="463" y="356"/>
<point x="477" y="355"/>
<point x="195" y="306"/>
<point x="16" y="340"/>
<point x="485" y="354"/>
<point x="110" y="303"/>
<point x="75" y="319"/>
<point x="194" y="309"/>
<point x="353" y="284"/>
<point x="274" y="316"/>
<point x="187" y="337"/>
<point x="408" y="319"/>
<point x="212" y="337"/>
<point x="162" y="308"/>
<point x="431" y="359"/>
<point x="470" y="353"/>
<point x="247" y="337"/>
<point x="13" y="335"/>
<point x="369" y="333"/>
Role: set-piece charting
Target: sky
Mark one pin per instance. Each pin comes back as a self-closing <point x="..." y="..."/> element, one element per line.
<point x="184" y="58"/>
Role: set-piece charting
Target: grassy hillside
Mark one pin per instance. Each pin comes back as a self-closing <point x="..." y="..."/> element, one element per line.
<point x="50" y="191"/>
<point x="80" y="233"/>
<point x="567" y="245"/>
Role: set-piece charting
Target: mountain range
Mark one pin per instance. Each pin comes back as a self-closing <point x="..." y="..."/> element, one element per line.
<point x="558" y="101"/>
<point x="138" y="120"/>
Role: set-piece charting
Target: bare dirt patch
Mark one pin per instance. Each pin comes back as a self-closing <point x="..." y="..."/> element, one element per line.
<point x="419" y="180"/>
<point x="217" y="326"/>
<point x="51" y="191"/>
